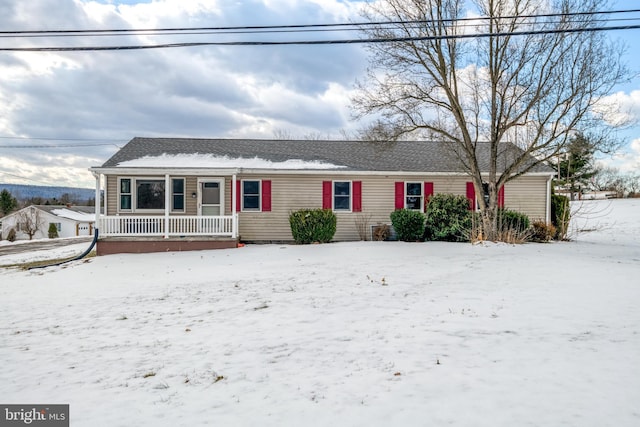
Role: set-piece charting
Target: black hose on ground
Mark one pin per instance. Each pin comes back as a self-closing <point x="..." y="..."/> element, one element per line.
<point x="82" y="255"/>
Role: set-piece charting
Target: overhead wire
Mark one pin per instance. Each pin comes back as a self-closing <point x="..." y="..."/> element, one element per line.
<point x="357" y="25"/>
<point x="315" y="42"/>
<point x="299" y="28"/>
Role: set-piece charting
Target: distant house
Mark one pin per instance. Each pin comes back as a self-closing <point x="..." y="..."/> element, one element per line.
<point x="70" y="221"/>
<point x="179" y="194"/>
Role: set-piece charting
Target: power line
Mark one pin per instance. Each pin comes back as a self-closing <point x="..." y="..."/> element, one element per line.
<point x="275" y="30"/>
<point x="260" y="28"/>
<point x="313" y="27"/>
<point x="317" y="42"/>
<point x="24" y="177"/>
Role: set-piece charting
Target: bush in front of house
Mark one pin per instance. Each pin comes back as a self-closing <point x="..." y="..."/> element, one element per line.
<point x="513" y="220"/>
<point x="560" y="215"/>
<point x="11" y="235"/>
<point x="408" y="224"/>
<point x="313" y="225"/>
<point x="53" y="231"/>
<point x="542" y="232"/>
<point x="448" y="218"/>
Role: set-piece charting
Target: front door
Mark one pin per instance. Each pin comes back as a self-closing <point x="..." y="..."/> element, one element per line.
<point x="211" y="197"/>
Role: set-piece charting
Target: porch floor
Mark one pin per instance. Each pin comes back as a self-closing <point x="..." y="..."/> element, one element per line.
<point x="137" y="245"/>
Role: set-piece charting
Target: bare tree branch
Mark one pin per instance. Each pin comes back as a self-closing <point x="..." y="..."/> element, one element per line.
<point x="529" y="91"/>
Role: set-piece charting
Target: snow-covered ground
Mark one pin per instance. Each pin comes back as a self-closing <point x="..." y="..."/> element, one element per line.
<point x="349" y="334"/>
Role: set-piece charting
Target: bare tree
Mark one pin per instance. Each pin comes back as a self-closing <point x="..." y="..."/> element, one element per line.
<point x="507" y="84"/>
<point x="632" y="184"/>
<point x="609" y="178"/>
<point x="282" y="134"/>
<point x="29" y="221"/>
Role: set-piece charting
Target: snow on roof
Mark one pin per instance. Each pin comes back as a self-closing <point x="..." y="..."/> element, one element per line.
<point x="74" y="215"/>
<point x="213" y="161"/>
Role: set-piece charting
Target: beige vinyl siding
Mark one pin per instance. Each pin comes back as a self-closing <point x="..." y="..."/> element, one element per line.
<point x="112" y="194"/>
<point x="291" y="192"/>
<point x="190" y="187"/>
<point x="527" y="195"/>
<point x="288" y="193"/>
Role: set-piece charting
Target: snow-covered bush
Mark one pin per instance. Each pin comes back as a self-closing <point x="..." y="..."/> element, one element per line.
<point x="313" y="225"/>
<point x="408" y="224"/>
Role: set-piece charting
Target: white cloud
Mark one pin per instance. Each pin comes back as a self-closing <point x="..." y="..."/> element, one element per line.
<point x="620" y="108"/>
<point x="196" y="92"/>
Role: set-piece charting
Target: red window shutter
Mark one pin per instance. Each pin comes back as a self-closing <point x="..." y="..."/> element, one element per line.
<point x="471" y="195"/>
<point x="357" y="196"/>
<point x="501" y="197"/>
<point x="326" y="194"/>
<point x="399" y="195"/>
<point x="428" y="192"/>
<point x="238" y="195"/>
<point x="266" y="195"/>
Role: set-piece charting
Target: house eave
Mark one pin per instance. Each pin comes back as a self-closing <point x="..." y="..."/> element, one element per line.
<point x="135" y="171"/>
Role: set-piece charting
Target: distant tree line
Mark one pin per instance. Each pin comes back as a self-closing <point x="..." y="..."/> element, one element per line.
<point x="577" y="172"/>
<point x="9" y="203"/>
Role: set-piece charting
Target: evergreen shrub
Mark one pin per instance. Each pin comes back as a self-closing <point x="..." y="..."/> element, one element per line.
<point x="313" y="225"/>
<point x="53" y="231"/>
<point x="513" y="220"/>
<point x="408" y="224"/>
<point x="448" y="218"/>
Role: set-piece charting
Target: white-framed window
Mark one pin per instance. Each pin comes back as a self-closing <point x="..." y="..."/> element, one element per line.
<point x="342" y="192"/>
<point x="148" y="194"/>
<point x="251" y="195"/>
<point x="58" y="226"/>
<point x="125" y="195"/>
<point x="414" y="195"/>
<point x="177" y="194"/>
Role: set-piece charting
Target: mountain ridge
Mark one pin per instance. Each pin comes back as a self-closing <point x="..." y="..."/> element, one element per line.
<point x="24" y="192"/>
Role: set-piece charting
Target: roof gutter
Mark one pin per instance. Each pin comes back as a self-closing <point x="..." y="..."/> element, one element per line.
<point x="250" y="171"/>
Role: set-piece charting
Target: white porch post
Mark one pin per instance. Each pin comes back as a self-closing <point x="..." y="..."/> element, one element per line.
<point x="234" y="214"/>
<point x="167" y="201"/>
<point x="98" y="178"/>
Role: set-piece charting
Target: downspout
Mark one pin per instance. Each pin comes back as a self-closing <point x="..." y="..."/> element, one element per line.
<point x="548" y="207"/>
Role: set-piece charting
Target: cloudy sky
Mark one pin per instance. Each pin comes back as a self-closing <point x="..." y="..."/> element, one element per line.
<point x="61" y="113"/>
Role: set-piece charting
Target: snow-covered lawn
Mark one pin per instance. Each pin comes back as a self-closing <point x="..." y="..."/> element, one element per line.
<point x="349" y="334"/>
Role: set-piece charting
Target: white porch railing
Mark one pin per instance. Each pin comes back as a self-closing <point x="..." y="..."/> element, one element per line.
<point x="177" y="226"/>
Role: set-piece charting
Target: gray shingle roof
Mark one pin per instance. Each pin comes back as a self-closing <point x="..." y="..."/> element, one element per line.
<point x="406" y="156"/>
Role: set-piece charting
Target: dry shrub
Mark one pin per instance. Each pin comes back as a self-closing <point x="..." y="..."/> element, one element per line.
<point x="542" y="232"/>
<point x="381" y="232"/>
<point x="362" y="225"/>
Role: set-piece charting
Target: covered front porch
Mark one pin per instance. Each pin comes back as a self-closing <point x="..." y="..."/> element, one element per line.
<point x="178" y="211"/>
